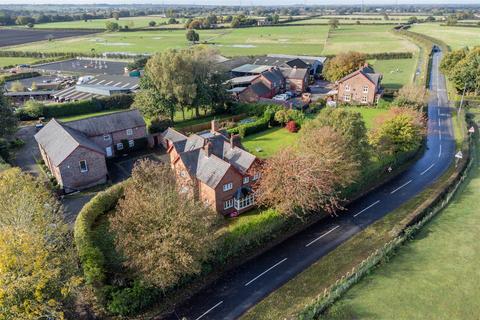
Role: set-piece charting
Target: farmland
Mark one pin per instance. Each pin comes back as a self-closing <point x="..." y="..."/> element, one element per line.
<point x="309" y="40"/>
<point x="434" y="276"/>
<point x="396" y="73"/>
<point x="16" y="36"/>
<point x="455" y="37"/>
<point x="130" y="22"/>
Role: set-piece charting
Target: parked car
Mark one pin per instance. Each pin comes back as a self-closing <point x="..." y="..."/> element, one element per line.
<point x="281" y="97"/>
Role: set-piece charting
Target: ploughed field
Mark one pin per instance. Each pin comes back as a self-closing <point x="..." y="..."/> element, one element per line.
<point x="14" y="36"/>
<point x="307" y="40"/>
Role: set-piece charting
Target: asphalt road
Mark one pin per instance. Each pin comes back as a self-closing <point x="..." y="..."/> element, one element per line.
<point x="231" y="296"/>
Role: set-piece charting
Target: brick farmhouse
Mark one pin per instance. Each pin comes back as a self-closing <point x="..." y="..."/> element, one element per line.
<point x="361" y="86"/>
<point x="214" y="168"/>
<point x="75" y="152"/>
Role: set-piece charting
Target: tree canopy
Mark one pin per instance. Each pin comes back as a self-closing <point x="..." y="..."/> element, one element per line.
<point x="463" y="68"/>
<point x="342" y="65"/>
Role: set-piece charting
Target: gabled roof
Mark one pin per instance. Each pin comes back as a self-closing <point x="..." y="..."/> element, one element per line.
<point x="108" y="123"/>
<point x="366" y="71"/>
<point x="295" y="73"/>
<point x="242" y="80"/>
<point x="297" y="63"/>
<point x="251" y="68"/>
<point x="59" y="141"/>
<point x="210" y="170"/>
<point x="260" y="89"/>
<point x="273" y="75"/>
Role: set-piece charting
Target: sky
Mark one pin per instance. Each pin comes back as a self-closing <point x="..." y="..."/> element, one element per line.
<point x="244" y="2"/>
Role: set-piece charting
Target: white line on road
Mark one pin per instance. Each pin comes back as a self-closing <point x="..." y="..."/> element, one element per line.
<point x="261" y="274"/>
<point x="440" y="151"/>
<point x="440" y="135"/>
<point x="323" y="235"/>
<point x="426" y="170"/>
<point x="403" y="185"/>
<point x="373" y="204"/>
<point x="206" y="312"/>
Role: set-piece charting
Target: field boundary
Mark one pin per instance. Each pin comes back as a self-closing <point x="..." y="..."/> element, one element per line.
<point x="410" y="226"/>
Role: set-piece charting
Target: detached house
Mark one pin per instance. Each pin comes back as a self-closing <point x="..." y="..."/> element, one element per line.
<point x="361" y="86"/>
<point x="214" y="168"/>
<point x="75" y="152"/>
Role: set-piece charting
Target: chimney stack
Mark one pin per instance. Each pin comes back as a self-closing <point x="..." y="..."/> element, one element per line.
<point x="214" y="126"/>
<point x="208" y="149"/>
<point x="235" y="141"/>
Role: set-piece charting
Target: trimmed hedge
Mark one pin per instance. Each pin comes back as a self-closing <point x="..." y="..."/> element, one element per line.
<point x="261" y="124"/>
<point x="90" y="256"/>
<point x="18" y="76"/>
<point x="122" y="101"/>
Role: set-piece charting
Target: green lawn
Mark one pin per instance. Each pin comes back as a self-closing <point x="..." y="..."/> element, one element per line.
<point x="309" y="40"/>
<point x="87" y="115"/>
<point x="433" y="277"/>
<point x="131" y="22"/>
<point x="369" y="114"/>
<point x="397" y="72"/>
<point x="455" y="37"/>
<point x="269" y="141"/>
<point x="9" y="61"/>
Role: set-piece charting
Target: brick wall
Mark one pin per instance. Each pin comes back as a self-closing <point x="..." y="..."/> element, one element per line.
<point x="118" y="136"/>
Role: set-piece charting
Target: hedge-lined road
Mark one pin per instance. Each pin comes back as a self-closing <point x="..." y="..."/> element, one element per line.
<point x="234" y="294"/>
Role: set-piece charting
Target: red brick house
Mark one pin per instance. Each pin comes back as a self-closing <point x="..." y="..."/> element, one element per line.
<point x="361" y="86"/>
<point x="296" y="79"/>
<point x="214" y="168"/>
<point x="75" y="152"/>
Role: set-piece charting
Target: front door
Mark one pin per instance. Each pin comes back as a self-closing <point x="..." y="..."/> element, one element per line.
<point x="109" y="152"/>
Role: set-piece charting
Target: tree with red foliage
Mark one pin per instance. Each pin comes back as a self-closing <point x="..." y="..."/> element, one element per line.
<point x="292" y="126"/>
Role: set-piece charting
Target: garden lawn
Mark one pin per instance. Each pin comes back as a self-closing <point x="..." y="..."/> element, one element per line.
<point x="396" y="72"/>
<point x="433" y="277"/>
<point x="367" y="39"/>
<point x="88" y="115"/>
<point x="306" y="40"/>
<point x="269" y="141"/>
<point x="131" y="22"/>
<point x="455" y="37"/>
<point x="369" y="114"/>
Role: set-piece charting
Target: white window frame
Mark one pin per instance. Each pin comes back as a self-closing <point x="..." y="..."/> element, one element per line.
<point x="129" y="132"/>
<point x="365" y="89"/>
<point x="131" y="143"/>
<point x="86" y="166"/>
<point x="120" y="146"/>
<point x="228" y="186"/>
<point x="347" y="87"/>
<point x="364" y="99"/>
<point x="244" y="202"/>
<point x="256" y="176"/>
<point x="246" y="180"/>
<point x="228" y="204"/>
<point x="347" y="98"/>
<point x="106" y="137"/>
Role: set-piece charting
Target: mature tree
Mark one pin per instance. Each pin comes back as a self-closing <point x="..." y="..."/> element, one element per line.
<point x="192" y="36"/>
<point x="34" y="109"/>
<point x="452" y="20"/>
<point x="8" y="120"/>
<point x="412" y="20"/>
<point x="152" y="23"/>
<point x="112" y="26"/>
<point x="412" y="96"/>
<point x="466" y="73"/>
<point x="343" y="64"/>
<point x="400" y="130"/>
<point x="312" y="174"/>
<point x="347" y="123"/>
<point x="333" y="23"/>
<point x="451" y="59"/>
<point x="37" y="263"/>
<point x="165" y="234"/>
<point x="172" y="21"/>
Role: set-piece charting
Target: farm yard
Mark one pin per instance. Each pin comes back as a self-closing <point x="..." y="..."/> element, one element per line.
<point x="456" y="37"/>
<point x="130" y="22"/>
<point x="15" y="36"/>
<point x="307" y="40"/>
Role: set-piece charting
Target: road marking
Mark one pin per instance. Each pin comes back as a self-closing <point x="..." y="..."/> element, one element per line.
<point x="403" y="185"/>
<point x="373" y="204"/>
<point x="439" y="123"/>
<point x="440" y="151"/>
<point x="323" y="235"/>
<point x="261" y="274"/>
<point x="440" y="135"/>
<point x="206" y="312"/>
<point x="426" y="170"/>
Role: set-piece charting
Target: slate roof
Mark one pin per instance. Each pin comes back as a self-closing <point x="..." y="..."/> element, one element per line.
<point x="274" y="75"/>
<point x="308" y="59"/>
<point x="210" y="170"/>
<point x="251" y="68"/>
<point x="260" y="89"/>
<point x="108" y="123"/>
<point x="242" y="80"/>
<point x="294" y="73"/>
<point x="59" y="141"/>
<point x="368" y="72"/>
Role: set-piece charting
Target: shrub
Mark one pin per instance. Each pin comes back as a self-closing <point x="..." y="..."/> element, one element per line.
<point x="131" y="300"/>
<point x="282" y="116"/>
<point x="33" y="109"/>
<point x="292" y="126"/>
<point x="90" y="256"/>
<point x="160" y="125"/>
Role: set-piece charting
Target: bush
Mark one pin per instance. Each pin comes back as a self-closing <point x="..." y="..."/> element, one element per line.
<point x="160" y="125"/>
<point x="292" y="126"/>
<point x="90" y="256"/>
<point x="123" y="101"/>
<point x="33" y="109"/>
<point x="131" y="300"/>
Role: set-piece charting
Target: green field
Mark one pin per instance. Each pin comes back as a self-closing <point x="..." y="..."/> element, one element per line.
<point x="131" y="22"/>
<point x="455" y="37"/>
<point x="366" y="38"/>
<point x="11" y="61"/>
<point x="396" y="73"/>
<point x="309" y="40"/>
<point x="433" y="277"/>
